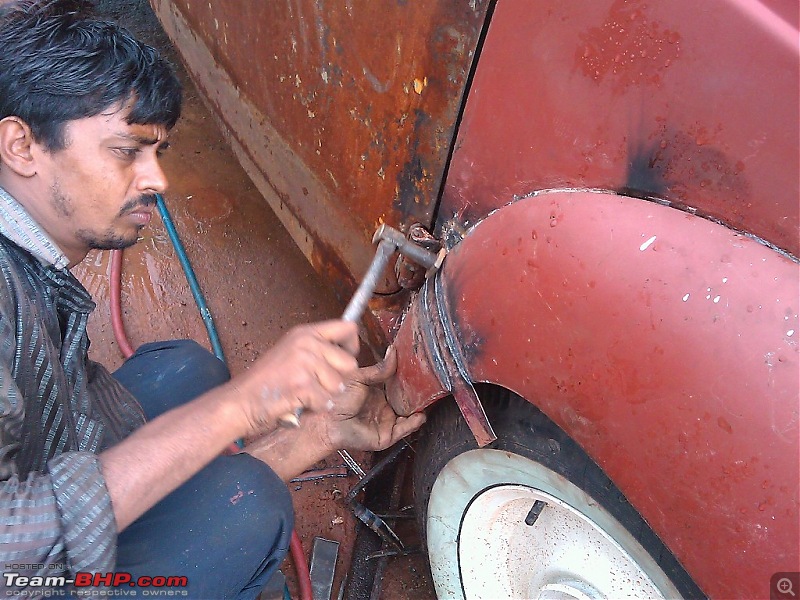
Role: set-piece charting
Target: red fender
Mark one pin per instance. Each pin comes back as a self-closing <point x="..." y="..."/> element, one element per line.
<point x="663" y="343"/>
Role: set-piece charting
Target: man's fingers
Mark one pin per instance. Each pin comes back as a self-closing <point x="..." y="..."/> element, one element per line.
<point x="389" y="435"/>
<point x="341" y="333"/>
<point x="336" y="342"/>
<point x="340" y="360"/>
<point x="404" y="426"/>
<point x="329" y="378"/>
<point x="380" y="371"/>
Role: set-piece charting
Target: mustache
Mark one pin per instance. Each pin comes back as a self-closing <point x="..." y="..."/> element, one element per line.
<point x="134" y="203"/>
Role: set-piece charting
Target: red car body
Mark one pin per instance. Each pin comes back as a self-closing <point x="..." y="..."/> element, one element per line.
<point x="617" y="184"/>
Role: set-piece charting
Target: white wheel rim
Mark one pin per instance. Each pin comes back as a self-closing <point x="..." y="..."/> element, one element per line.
<point x="480" y="546"/>
<point x="562" y="555"/>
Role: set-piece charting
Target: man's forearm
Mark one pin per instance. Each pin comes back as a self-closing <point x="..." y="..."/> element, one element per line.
<point x="289" y="452"/>
<point x="164" y="453"/>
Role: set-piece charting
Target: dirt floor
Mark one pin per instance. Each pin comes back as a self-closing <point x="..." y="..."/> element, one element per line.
<point x="257" y="285"/>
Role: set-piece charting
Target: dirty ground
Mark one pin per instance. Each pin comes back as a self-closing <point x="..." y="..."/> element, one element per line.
<point x="257" y="285"/>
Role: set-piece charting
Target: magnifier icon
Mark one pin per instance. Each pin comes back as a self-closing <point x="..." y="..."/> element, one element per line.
<point x="784" y="585"/>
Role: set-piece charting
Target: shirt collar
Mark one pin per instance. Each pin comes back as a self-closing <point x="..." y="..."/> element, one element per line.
<point x="18" y="226"/>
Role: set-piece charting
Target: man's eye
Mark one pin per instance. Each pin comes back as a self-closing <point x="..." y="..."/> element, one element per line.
<point x="127" y="152"/>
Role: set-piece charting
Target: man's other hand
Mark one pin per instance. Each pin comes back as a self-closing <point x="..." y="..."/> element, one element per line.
<point x="361" y="418"/>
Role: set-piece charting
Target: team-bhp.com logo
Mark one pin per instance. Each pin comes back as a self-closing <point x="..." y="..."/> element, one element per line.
<point x="96" y="584"/>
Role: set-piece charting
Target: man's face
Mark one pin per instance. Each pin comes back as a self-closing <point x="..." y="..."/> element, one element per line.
<point x="101" y="184"/>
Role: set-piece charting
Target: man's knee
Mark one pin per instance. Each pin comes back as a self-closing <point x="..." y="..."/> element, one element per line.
<point x="259" y="499"/>
<point x="164" y="375"/>
<point x="186" y="355"/>
<point x="236" y="506"/>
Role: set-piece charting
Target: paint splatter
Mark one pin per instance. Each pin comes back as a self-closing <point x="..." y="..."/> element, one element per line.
<point x="239" y="495"/>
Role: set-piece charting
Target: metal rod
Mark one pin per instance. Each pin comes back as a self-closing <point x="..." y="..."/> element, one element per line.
<point x="391" y="456"/>
<point x="409" y="249"/>
<point x="351" y="462"/>
<point x="321" y="474"/>
<point x="367" y="286"/>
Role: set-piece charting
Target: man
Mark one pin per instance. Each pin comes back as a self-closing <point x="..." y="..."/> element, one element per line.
<point x="100" y="472"/>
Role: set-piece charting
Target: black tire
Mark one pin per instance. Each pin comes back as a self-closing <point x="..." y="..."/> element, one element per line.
<point x="525" y="431"/>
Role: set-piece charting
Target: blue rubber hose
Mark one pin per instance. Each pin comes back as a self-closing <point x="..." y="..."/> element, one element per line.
<point x="208" y="320"/>
<point x="194" y="285"/>
<point x="199" y="299"/>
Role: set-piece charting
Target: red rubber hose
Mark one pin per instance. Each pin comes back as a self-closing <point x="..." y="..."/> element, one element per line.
<point x="296" y="546"/>
<point x="301" y="567"/>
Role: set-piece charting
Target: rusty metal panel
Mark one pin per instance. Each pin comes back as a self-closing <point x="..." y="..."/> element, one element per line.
<point x="663" y="343"/>
<point x="693" y="103"/>
<point x="343" y="113"/>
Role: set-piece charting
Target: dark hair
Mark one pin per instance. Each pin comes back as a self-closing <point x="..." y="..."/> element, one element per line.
<point x="58" y="63"/>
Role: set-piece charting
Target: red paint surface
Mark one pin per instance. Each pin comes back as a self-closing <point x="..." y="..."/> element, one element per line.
<point x="664" y="344"/>
<point x="692" y="102"/>
<point x="690" y="406"/>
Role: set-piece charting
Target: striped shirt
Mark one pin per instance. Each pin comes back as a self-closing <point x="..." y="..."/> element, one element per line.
<point x="58" y="409"/>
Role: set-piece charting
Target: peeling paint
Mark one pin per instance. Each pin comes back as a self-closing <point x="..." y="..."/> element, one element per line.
<point x="647" y="244"/>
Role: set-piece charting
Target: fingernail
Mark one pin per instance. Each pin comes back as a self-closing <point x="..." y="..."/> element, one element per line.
<point x="342" y="388"/>
<point x="388" y="350"/>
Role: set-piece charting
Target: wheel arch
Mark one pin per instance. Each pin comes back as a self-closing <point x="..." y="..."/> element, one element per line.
<point x="664" y="344"/>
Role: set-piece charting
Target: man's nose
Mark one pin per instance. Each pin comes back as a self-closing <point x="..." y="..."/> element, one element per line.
<point x="151" y="177"/>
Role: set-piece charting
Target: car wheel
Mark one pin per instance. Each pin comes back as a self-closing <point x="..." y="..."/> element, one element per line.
<point x="530" y="515"/>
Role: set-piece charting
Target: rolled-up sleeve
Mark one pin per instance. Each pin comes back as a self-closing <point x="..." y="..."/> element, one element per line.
<point x="60" y="522"/>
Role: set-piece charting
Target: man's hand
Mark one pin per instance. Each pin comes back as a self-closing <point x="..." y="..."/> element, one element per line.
<point x="306" y="369"/>
<point x="361" y="418"/>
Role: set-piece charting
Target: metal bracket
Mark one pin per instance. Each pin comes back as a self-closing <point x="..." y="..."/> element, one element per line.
<point x="439" y="334"/>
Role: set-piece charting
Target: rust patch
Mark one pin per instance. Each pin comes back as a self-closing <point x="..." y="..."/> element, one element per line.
<point x="341" y="122"/>
<point x="414" y="179"/>
<point x="628" y="49"/>
<point x="366" y="108"/>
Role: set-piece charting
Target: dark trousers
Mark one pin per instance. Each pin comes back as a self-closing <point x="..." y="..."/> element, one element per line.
<point x="228" y="528"/>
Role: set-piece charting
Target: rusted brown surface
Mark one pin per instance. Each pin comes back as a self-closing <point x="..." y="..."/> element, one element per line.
<point x="343" y="121"/>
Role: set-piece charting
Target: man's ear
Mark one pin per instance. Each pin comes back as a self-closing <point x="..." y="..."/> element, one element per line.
<point x="16" y="145"/>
